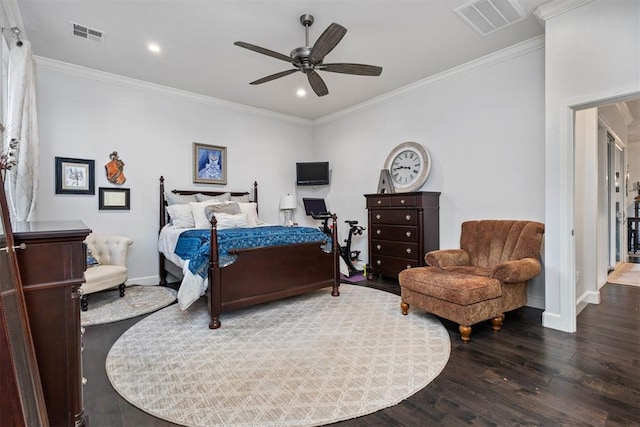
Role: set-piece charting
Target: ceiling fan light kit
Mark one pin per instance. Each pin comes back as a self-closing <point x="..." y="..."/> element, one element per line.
<point x="308" y="59"/>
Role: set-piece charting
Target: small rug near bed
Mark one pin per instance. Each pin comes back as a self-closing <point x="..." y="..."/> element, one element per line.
<point x="626" y="274"/>
<point x="107" y="307"/>
<point x="308" y="360"/>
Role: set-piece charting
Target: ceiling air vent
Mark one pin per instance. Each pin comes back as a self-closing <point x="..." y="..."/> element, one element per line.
<point x="487" y="16"/>
<point x="87" y="33"/>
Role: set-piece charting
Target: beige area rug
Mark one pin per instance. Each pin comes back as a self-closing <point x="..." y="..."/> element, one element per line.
<point x="107" y="307"/>
<point x="307" y="360"/>
<point x="626" y="274"/>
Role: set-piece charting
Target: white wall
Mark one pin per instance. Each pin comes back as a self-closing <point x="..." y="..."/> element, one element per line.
<point x="85" y="114"/>
<point x="592" y="54"/>
<point x="483" y="128"/>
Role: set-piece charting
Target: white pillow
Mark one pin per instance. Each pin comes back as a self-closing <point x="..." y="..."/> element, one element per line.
<point x="199" y="216"/>
<point x="251" y="209"/>
<point x="224" y="197"/>
<point x="231" y="221"/>
<point x="240" y="199"/>
<point x="181" y="216"/>
<point x="179" y="199"/>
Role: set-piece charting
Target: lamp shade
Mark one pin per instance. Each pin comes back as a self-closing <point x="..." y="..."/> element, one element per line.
<point x="288" y="202"/>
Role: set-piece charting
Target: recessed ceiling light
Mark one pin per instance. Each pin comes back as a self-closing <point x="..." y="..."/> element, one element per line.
<point x="154" y="47"/>
<point x="301" y="93"/>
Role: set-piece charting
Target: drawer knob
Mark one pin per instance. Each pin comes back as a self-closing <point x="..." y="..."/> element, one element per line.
<point x="379" y="202"/>
<point x="378" y="247"/>
<point x="408" y="217"/>
<point x="84" y="381"/>
<point x="402" y="202"/>
<point x="379" y="262"/>
<point x="378" y="216"/>
<point x="82" y="330"/>
<point x="378" y="231"/>
<point x="408" y="233"/>
<point x="408" y="250"/>
<point x="408" y="266"/>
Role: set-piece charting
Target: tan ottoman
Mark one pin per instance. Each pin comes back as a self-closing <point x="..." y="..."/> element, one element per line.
<point x="462" y="298"/>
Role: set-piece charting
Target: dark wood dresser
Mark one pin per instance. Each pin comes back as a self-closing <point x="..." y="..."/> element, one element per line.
<point x="403" y="227"/>
<point x="52" y="269"/>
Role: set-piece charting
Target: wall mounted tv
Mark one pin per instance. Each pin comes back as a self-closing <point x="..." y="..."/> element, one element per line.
<point x="312" y="173"/>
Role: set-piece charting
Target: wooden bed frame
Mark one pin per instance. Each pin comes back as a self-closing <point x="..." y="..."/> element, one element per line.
<point x="259" y="274"/>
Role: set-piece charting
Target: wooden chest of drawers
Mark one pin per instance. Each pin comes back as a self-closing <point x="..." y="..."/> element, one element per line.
<point x="403" y="227"/>
<point x="52" y="269"/>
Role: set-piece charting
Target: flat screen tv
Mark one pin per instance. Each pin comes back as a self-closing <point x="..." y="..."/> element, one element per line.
<point x="312" y="173"/>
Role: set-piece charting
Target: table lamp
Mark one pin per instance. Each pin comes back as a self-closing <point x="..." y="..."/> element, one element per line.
<point x="288" y="204"/>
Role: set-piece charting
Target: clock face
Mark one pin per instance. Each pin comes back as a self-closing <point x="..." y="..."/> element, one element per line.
<point x="409" y="164"/>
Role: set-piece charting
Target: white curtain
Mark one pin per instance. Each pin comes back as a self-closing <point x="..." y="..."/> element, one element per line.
<point x="21" y="182"/>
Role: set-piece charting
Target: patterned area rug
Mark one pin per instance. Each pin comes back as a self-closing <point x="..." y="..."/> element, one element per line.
<point x="107" y="307"/>
<point x="307" y="360"/>
<point x="626" y="274"/>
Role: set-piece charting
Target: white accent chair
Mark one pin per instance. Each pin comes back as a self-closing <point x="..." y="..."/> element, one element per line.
<point x="110" y="251"/>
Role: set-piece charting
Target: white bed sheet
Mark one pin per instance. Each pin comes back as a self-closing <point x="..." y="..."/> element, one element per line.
<point x="193" y="286"/>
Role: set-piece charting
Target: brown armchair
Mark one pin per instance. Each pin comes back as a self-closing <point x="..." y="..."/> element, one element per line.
<point x="483" y="279"/>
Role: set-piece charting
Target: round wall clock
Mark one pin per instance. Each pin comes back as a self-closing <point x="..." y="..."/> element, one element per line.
<point x="409" y="165"/>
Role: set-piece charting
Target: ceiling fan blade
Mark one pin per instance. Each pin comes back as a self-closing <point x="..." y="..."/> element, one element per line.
<point x="263" y="51"/>
<point x="273" y="77"/>
<point x="317" y="84"/>
<point x="327" y="41"/>
<point x="359" y="69"/>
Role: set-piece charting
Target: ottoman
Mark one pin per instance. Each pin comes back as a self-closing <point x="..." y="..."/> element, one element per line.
<point x="462" y="298"/>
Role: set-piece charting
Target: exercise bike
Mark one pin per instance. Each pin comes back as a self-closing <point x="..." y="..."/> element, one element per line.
<point x="347" y="255"/>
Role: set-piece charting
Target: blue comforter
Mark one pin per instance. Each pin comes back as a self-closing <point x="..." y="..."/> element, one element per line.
<point x="193" y="245"/>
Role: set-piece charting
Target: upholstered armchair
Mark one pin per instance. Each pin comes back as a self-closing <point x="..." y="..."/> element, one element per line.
<point x="482" y="280"/>
<point x="109" y="266"/>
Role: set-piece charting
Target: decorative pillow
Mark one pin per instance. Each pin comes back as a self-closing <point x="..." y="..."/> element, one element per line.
<point x="91" y="260"/>
<point x="231" y="221"/>
<point x="225" y="197"/>
<point x="240" y="199"/>
<point x="227" y="207"/>
<point x="179" y="199"/>
<point x="181" y="216"/>
<point x="251" y="209"/>
<point x="199" y="217"/>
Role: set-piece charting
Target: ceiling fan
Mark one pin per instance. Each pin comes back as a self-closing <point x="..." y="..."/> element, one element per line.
<point x="309" y="59"/>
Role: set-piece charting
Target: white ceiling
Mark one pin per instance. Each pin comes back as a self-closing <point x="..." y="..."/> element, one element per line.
<point x="410" y="39"/>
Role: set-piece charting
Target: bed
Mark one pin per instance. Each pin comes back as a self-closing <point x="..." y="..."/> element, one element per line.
<point x="248" y="276"/>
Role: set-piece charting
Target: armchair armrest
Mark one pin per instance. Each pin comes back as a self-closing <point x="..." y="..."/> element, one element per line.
<point x="447" y="258"/>
<point x="516" y="271"/>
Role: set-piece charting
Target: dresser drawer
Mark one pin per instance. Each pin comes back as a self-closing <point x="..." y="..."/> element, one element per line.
<point x="403" y="201"/>
<point x="395" y="249"/>
<point x="394" y="232"/>
<point x="378" y="202"/>
<point x="391" y="266"/>
<point x="394" y="216"/>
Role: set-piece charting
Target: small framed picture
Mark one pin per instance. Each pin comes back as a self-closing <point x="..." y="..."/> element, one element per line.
<point x="209" y="164"/>
<point x="114" y="198"/>
<point x="75" y="176"/>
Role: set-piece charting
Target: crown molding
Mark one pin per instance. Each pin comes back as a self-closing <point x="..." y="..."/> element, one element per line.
<point x="556" y="7"/>
<point x="505" y="54"/>
<point x="90" y="73"/>
<point x="624" y="111"/>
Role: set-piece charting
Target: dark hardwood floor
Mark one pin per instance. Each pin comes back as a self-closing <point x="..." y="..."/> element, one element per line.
<point x="524" y="375"/>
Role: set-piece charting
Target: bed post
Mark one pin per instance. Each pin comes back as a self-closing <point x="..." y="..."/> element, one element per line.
<point x="336" y="257"/>
<point x="255" y="194"/>
<point x="215" y="287"/>
<point x="162" y="273"/>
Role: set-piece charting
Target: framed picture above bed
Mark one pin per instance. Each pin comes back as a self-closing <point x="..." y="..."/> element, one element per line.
<point x="75" y="176"/>
<point x="209" y="164"/>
